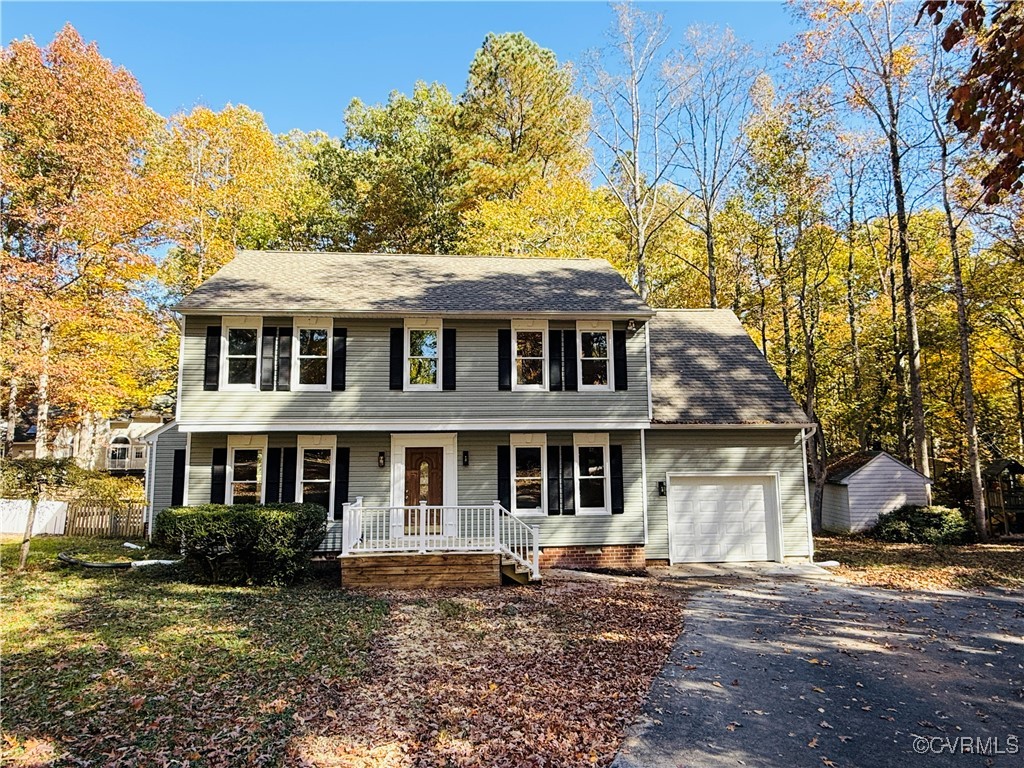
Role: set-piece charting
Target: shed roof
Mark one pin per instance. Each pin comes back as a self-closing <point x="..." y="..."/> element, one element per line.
<point x="705" y="369"/>
<point x="293" y="282"/>
<point x="842" y="469"/>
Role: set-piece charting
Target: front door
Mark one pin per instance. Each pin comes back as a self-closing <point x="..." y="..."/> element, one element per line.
<point x="424" y="484"/>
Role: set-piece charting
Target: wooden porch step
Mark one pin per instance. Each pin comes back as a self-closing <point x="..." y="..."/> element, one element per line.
<point x="416" y="571"/>
<point x="514" y="572"/>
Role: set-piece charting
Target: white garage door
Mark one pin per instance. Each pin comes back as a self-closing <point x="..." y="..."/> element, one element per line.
<point x="719" y="519"/>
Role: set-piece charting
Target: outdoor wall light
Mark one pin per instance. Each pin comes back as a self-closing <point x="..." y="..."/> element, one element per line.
<point x="662" y="490"/>
<point x="380" y="459"/>
<point x="465" y="458"/>
<point x="631" y="325"/>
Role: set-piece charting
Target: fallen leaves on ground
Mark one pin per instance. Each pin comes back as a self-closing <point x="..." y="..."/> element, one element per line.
<point x="924" y="566"/>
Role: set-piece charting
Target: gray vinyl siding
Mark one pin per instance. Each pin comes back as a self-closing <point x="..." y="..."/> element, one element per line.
<point x="757" y="451"/>
<point x="368" y="398"/>
<point x="477" y="483"/>
<point x="162" y="477"/>
<point x="835" y="508"/>
<point x="880" y="486"/>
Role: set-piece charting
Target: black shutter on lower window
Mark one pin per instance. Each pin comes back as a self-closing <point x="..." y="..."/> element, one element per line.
<point x="178" y="478"/>
<point x="568" y="483"/>
<point x="505" y="476"/>
<point x="341" y="461"/>
<point x="338" y="359"/>
<point x="288" y="458"/>
<point x="397" y="345"/>
<point x="448" y="359"/>
<point x="618" y="485"/>
<point x="504" y="359"/>
<point x="268" y="352"/>
<point x="211" y="374"/>
<point x="619" y="360"/>
<point x="570" y="376"/>
<point x="284" y="358"/>
<point x="273" y="475"/>
<point x="554" y="486"/>
<point x="555" y="361"/>
<point x="218" y="475"/>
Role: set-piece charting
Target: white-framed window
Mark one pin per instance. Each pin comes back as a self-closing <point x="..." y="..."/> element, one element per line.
<point x="422" y="354"/>
<point x="529" y="474"/>
<point x="530" y="354"/>
<point x="312" y="351"/>
<point x="315" y="471"/>
<point x="594" y="350"/>
<point x="245" y="477"/>
<point x="240" y="352"/>
<point x="592" y="475"/>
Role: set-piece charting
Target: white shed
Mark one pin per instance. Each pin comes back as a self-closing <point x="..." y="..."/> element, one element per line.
<point x="865" y="485"/>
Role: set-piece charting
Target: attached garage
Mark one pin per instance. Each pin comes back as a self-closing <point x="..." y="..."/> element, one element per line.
<point x="723" y="518"/>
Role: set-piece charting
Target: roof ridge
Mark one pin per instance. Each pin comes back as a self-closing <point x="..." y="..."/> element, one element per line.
<point x="424" y="255"/>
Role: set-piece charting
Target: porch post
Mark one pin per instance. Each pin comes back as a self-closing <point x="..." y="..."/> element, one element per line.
<point x="536" y="551"/>
<point x="423" y="527"/>
<point x="497" y="526"/>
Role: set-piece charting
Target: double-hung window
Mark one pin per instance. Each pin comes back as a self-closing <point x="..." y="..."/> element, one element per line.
<point x="245" y="481"/>
<point x="593" y="479"/>
<point x="594" y="349"/>
<point x="530" y="354"/>
<point x="311" y="368"/>
<point x="240" y="342"/>
<point x="529" y="474"/>
<point x="316" y="471"/>
<point x="423" y="354"/>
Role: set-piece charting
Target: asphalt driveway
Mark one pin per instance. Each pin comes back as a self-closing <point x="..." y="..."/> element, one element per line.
<point x="783" y="670"/>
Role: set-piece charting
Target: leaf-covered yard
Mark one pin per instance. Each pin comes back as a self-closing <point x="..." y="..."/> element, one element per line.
<point x="137" y="668"/>
<point x="924" y="566"/>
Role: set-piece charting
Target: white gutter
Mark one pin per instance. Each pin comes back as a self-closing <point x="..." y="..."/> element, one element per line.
<point x="643" y="478"/>
<point x="806" y="435"/>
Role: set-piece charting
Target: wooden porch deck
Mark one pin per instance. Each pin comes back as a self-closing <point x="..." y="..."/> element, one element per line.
<point x="410" y="570"/>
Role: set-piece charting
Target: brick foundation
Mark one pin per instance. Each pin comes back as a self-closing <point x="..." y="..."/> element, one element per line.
<point x="625" y="557"/>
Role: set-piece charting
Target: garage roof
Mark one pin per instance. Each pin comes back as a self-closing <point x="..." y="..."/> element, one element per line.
<point x="705" y="369"/>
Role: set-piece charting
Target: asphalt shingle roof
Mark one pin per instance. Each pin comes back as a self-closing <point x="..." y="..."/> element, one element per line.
<point x="705" y="369"/>
<point x="311" y="282"/>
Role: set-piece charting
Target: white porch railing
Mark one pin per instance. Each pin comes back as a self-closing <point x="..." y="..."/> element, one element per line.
<point x="425" y="529"/>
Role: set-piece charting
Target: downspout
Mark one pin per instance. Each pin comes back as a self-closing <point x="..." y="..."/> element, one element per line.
<point x="643" y="479"/>
<point x="806" y="435"/>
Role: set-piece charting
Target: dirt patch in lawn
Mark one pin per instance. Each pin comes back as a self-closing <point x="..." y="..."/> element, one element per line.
<point x="924" y="566"/>
<point x="140" y="668"/>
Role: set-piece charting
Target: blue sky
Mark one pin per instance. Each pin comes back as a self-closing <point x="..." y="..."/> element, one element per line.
<point x="301" y="63"/>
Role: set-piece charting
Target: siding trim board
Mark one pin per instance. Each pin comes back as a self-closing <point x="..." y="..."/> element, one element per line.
<point x="321" y="425"/>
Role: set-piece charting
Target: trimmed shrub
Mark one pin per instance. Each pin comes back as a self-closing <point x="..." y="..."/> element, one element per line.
<point x="924" y="525"/>
<point x="271" y="544"/>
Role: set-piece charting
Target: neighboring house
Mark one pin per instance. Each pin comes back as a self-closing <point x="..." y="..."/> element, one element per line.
<point x="444" y="403"/>
<point x="862" y="486"/>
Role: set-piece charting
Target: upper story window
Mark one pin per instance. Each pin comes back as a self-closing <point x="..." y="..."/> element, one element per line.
<point x="594" y="341"/>
<point x="423" y="354"/>
<point x="240" y="340"/>
<point x="530" y="353"/>
<point x="593" y="479"/>
<point x="529" y="472"/>
<point x="312" y="349"/>
<point x="245" y="469"/>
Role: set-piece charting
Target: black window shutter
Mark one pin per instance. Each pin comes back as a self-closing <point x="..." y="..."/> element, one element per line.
<point x="273" y="474"/>
<point x="397" y="350"/>
<point x="338" y="361"/>
<point x="267" y="354"/>
<point x="211" y="376"/>
<point x="218" y="475"/>
<point x="505" y="476"/>
<point x="288" y="458"/>
<point x="284" y="358"/>
<point x="568" y="484"/>
<point x="178" y="478"/>
<point x="448" y="359"/>
<point x="555" y="361"/>
<point x="554" y="486"/>
<point x="504" y="359"/>
<point x="618" y="486"/>
<point x="619" y="360"/>
<point x="570" y="376"/>
<point x="341" y="460"/>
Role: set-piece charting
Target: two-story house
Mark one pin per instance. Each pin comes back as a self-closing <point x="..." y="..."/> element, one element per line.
<point x="445" y="405"/>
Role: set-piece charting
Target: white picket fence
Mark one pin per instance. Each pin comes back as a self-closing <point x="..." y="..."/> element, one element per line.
<point x="51" y="516"/>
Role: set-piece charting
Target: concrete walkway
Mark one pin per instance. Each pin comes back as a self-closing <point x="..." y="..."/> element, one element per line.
<point x="788" y="666"/>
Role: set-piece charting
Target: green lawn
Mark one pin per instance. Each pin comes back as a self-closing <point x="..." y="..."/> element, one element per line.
<point x="127" y="667"/>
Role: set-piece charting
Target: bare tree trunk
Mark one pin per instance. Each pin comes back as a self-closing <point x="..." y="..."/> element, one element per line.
<point x="709" y="238"/>
<point x="787" y="331"/>
<point x="27" y="539"/>
<point x="43" y="393"/>
<point x="851" y="304"/>
<point x="12" y="415"/>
